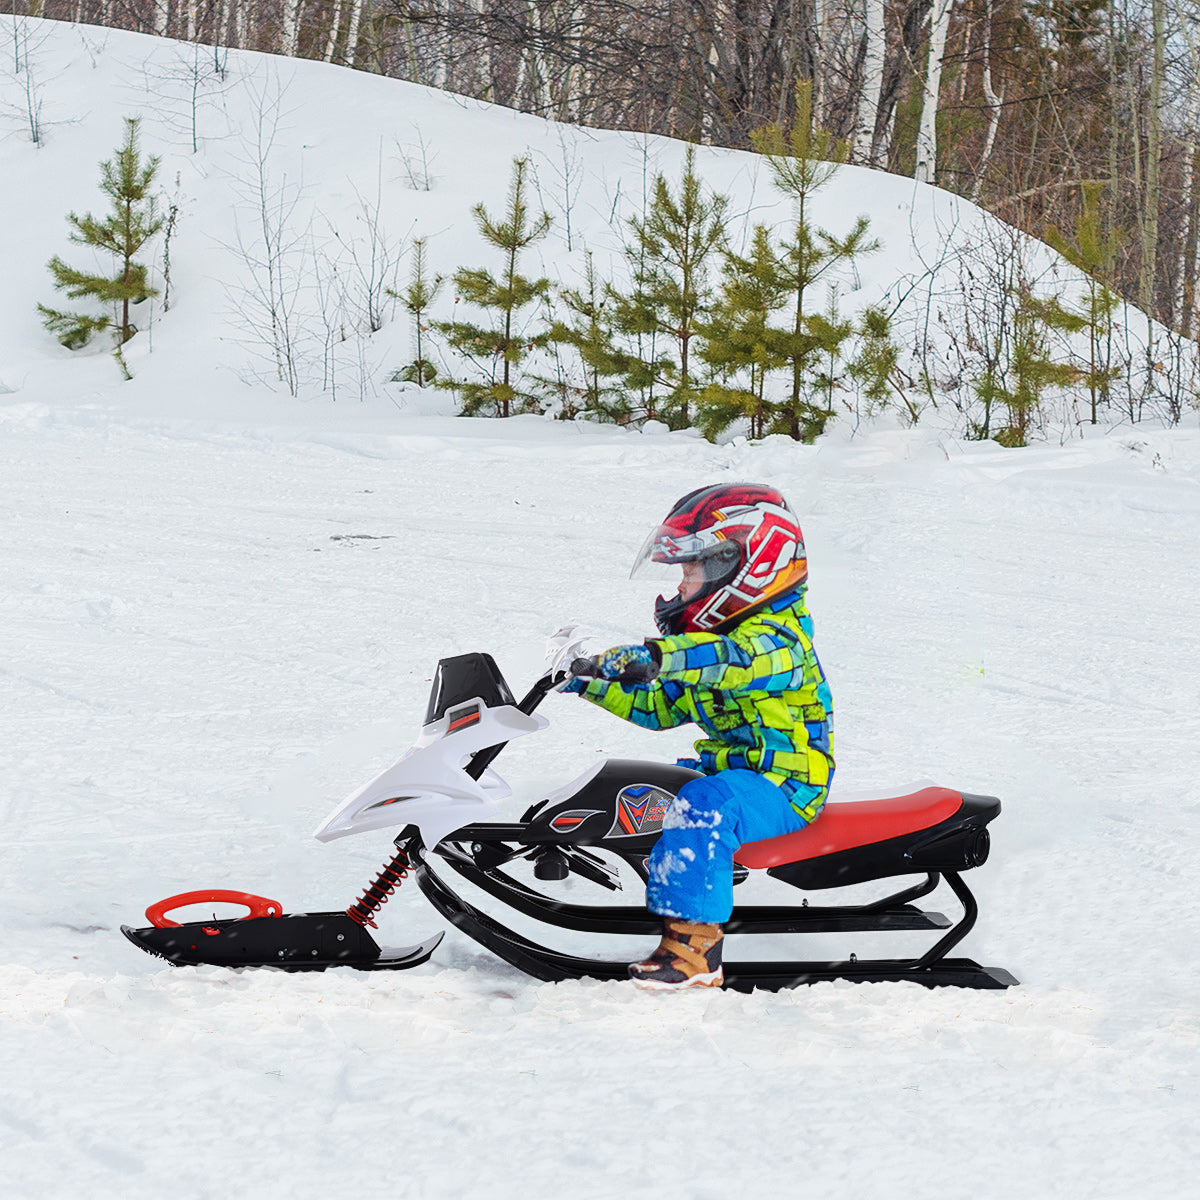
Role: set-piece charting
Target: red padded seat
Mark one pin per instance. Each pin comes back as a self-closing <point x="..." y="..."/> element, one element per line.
<point x="845" y="825"/>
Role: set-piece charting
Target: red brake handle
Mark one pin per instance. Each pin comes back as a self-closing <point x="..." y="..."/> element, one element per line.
<point x="259" y="906"/>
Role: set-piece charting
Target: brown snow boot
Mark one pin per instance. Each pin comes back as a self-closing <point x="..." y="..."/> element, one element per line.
<point x="689" y="955"/>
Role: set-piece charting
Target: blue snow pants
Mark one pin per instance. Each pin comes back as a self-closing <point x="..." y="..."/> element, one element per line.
<point x="691" y="866"/>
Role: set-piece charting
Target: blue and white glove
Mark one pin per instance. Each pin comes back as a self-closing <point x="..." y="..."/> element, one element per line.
<point x="632" y="663"/>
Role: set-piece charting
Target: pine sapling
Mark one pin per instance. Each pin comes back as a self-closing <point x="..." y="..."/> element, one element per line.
<point x="741" y="343"/>
<point x="670" y="256"/>
<point x="1094" y="251"/>
<point x="875" y="367"/>
<point x="802" y="160"/>
<point x="1030" y="368"/>
<point x="416" y="299"/>
<point x="497" y="351"/>
<point x="133" y="221"/>
<point x="589" y="332"/>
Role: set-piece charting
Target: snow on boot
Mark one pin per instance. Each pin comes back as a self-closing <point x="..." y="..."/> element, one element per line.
<point x="689" y="955"/>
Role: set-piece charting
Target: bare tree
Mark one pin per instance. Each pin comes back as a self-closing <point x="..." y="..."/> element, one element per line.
<point x="373" y="259"/>
<point x="24" y="63"/>
<point x="994" y="104"/>
<point x="188" y="87"/>
<point x="273" y="248"/>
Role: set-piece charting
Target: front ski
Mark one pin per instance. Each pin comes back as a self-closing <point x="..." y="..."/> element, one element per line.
<point x="292" y="942"/>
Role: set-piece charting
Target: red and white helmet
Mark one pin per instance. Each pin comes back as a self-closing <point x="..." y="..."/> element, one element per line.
<point x="749" y="543"/>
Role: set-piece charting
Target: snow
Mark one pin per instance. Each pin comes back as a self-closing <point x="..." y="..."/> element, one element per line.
<point x="221" y="608"/>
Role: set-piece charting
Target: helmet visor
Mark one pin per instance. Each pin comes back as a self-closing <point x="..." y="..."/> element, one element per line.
<point x="666" y="550"/>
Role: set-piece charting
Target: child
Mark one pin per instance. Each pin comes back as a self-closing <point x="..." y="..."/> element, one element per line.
<point x="736" y="658"/>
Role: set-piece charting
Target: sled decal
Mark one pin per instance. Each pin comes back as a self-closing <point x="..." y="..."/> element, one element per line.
<point x="573" y="819"/>
<point x="463" y="718"/>
<point x="393" y="800"/>
<point x="640" y="810"/>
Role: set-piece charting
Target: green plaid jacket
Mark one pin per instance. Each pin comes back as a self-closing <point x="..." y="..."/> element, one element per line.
<point x="758" y="694"/>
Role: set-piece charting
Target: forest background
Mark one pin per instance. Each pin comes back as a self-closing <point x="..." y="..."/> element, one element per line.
<point x="1019" y="106"/>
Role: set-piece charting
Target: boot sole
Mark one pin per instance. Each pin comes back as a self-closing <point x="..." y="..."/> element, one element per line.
<point x="709" y="979"/>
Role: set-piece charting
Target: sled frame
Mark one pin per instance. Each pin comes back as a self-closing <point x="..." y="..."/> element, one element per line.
<point x="931" y="969"/>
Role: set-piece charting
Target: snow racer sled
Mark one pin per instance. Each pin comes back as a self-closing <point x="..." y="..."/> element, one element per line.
<point x="442" y="790"/>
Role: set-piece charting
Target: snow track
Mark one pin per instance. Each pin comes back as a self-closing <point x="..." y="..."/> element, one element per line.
<point x="200" y="657"/>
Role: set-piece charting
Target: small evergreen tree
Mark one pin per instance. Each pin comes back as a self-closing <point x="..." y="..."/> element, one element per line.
<point x="802" y="160"/>
<point x="133" y="221"/>
<point x="740" y="341"/>
<point x="499" y="350"/>
<point x="589" y="332"/>
<point x="1094" y="252"/>
<point x="670" y="254"/>
<point x="834" y="331"/>
<point x="1030" y="368"/>
<point x="873" y="368"/>
<point x="416" y="299"/>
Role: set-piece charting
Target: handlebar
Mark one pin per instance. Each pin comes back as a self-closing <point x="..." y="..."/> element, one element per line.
<point x="482" y="759"/>
<point x="581" y="668"/>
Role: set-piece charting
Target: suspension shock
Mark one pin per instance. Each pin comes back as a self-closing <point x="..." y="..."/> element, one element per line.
<point x="380" y="889"/>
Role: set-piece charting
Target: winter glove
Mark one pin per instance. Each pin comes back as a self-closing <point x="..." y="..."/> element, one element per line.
<point x="631" y="664"/>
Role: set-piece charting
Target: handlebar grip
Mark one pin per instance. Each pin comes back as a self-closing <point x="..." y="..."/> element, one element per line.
<point x="589" y="668"/>
<point x="639" y="673"/>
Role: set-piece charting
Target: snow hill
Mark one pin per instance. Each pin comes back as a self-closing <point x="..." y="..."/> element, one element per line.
<point x="220" y="609"/>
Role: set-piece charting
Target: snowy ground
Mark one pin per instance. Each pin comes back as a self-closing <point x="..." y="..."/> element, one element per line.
<point x="198" y="661"/>
<point x="219" y="613"/>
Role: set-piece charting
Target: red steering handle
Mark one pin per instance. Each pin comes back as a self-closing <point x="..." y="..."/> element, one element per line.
<point x="259" y="906"/>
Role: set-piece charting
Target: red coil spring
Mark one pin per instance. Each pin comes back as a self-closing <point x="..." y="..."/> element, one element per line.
<point x="380" y="890"/>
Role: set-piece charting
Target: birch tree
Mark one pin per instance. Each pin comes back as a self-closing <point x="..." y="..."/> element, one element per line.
<point x="356" y="8"/>
<point x="1153" y="157"/>
<point x="335" y="22"/>
<point x="994" y="103"/>
<point x="875" y="39"/>
<point x="1190" y="186"/>
<point x="939" y="25"/>
<point x="289" y="27"/>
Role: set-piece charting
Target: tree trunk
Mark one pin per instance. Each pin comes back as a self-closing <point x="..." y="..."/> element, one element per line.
<point x="352" y="33"/>
<point x="1153" y="158"/>
<point x="487" y="75"/>
<point x="335" y="23"/>
<point x="872" y="83"/>
<point x="939" y="24"/>
<point x="994" y="106"/>
<point x="820" y="11"/>
<point x="1190" y="190"/>
<point x="289" y="27"/>
<point x="1187" y="303"/>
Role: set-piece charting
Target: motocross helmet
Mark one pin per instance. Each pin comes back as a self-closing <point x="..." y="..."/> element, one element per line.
<point x="748" y="543"/>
